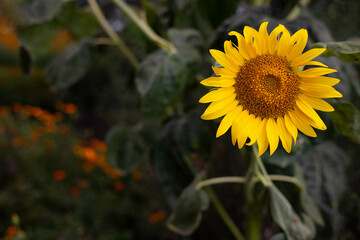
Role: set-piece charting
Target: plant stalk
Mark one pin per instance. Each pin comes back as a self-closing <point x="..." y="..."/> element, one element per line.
<point x="112" y="34"/>
<point x="223" y="214"/>
<point x="144" y="26"/>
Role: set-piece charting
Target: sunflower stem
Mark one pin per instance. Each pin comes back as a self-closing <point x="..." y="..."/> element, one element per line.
<point x="112" y="34"/>
<point x="296" y="10"/>
<point x="223" y="214"/>
<point x="220" y="180"/>
<point x="145" y="28"/>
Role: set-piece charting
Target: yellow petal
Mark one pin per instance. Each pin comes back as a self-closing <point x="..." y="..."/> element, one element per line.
<point x="217" y="105"/>
<point x="262" y="139"/>
<point x="217" y="95"/>
<point x="263" y="39"/>
<point x="250" y="35"/>
<point x="319" y="91"/>
<point x="310" y="112"/>
<point x="301" y="121"/>
<point x="233" y="54"/>
<point x="284" y="43"/>
<point x="253" y="129"/>
<point x="273" y="38"/>
<point x="291" y="127"/>
<point x="221" y="112"/>
<point x="307" y="56"/>
<point x="284" y="135"/>
<point x="224" y="72"/>
<point x="218" y="82"/>
<point x="315" y="63"/>
<point x="235" y="127"/>
<point x="242" y="130"/>
<point x="317" y="103"/>
<point x="224" y="61"/>
<point x="272" y="134"/>
<point x="322" y="80"/>
<point x="300" y="40"/>
<point x="241" y="44"/>
<point x="315" y="72"/>
<point x="228" y="120"/>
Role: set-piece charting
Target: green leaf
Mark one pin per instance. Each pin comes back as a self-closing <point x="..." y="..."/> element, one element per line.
<point x="25" y="61"/>
<point x="69" y="66"/>
<point x="79" y="22"/>
<point x="37" y="11"/>
<point x="279" y="236"/>
<point x="188" y="37"/>
<point x="348" y="51"/>
<point x="36" y="38"/>
<point x="187" y="215"/>
<point x="126" y="147"/>
<point x="307" y="202"/>
<point x="160" y="80"/>
<point x="284" y="215"/>
<point x="171" y="171"/>
<point x="346" y="120"/>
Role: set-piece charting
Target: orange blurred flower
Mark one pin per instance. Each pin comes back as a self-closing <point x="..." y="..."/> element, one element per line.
<point x="17" y="107"/>
<point x="18" y="141"/>
<point x="69" y="108"/>
<point x="7" y="35"/>
<point x="157" y="217"/>
<point x="3" y="111"/>
<point x="75" y="191"/>
<point x="10" y="232"/>
<point x="82" y="183"/>
<point x="98" y="145"/>
<point x="137" y="175"/>
<point x="59" y="175"/>
<point x="118" y="186"/>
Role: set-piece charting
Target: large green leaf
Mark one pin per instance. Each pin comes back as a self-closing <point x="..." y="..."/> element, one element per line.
<point x="70" y="65"/>
<point x="126" y="147"/>
<point x="308" y="204"/>
<point x="36" y="38"/>
<point x="285" y="216"/>
<point x="323" y="169"/>
<point x="187" y="215"/>
<point x="37" y="11"/>
<point x="346" y="120"/>
<point x="348" y="51"/>
<point x="79" y="22"/>
<point x="160" y="80"/>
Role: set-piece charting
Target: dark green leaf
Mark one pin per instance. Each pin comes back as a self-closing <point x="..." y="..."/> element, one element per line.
<point x="25" y="61"/>
<point x="284" y="215"/>
<point x="348" y="51"/>
<point x="69" y="66"/>
<point x="171" y="170"/>
<point x="279" y="236"/>
<point x="187" y="215"/>
<point x="126" y="147"/>
<point x="323" y="169"/>
<point x="160" y="80"/>
<point x="346" y="120"/>
<point x="189" y="37"/>
<point x="307" y="202"/>
<point x="311" y="208"/>
<point x="79" y="22"/>
<point x="36" y="38"/>
<point x="37" y="11"/>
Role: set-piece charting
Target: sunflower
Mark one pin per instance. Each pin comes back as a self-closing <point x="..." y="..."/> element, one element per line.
<point x="263" y="92"/>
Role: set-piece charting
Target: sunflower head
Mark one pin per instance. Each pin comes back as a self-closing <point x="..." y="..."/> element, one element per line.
<point x="262" y="91"/>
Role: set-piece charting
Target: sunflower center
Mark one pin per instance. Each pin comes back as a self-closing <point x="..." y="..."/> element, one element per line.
<point x="266" y="86"/>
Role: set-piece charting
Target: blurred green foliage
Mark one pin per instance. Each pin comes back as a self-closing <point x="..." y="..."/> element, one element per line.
<point x="57" y="185"/>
